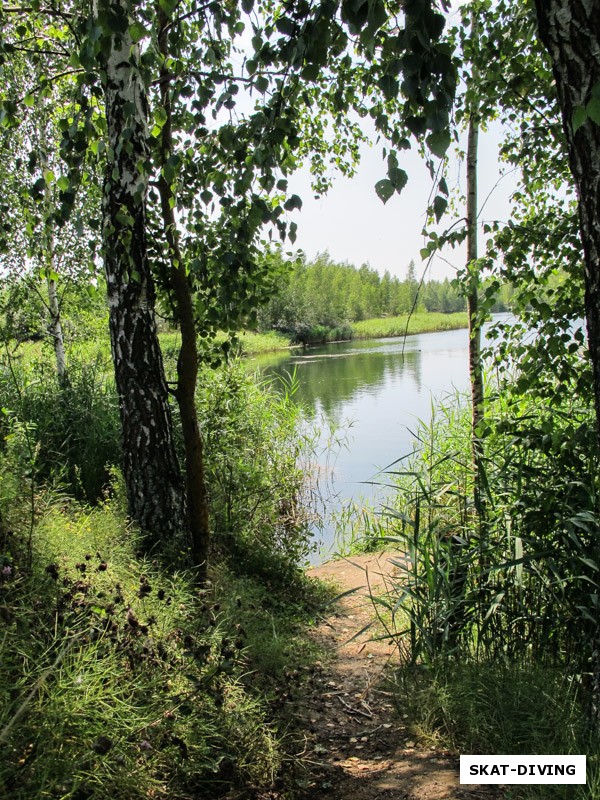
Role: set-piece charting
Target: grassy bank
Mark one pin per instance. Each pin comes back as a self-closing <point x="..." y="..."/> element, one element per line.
<point x="120" y="679"/>
<point x="251" y="344"/>
<point x="420" y="322"/>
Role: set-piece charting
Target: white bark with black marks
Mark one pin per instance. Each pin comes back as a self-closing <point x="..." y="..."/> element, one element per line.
<point x="154" y="484"/>
<point x="570" y="31"/>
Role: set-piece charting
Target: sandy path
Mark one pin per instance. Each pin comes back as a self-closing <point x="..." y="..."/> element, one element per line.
<point x="358" y="745"/>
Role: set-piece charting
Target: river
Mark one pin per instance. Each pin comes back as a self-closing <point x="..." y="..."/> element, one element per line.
<point x="374" y="392"/>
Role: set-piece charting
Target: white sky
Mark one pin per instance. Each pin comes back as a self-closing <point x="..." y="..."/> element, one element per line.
<point x="353" y="225"/>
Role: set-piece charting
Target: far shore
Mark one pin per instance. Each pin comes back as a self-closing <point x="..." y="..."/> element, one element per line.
<point x="386" y="327"/>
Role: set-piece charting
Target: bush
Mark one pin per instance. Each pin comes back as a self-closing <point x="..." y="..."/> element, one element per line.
<point x="255" y="471"/>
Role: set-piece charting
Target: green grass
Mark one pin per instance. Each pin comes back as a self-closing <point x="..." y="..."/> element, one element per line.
<point x="119" y="678"/>
<point x="249" y="342"/>
<point x="419" y="322"/>
<point x="498" y="708"/>
<point x="252" y="344"/>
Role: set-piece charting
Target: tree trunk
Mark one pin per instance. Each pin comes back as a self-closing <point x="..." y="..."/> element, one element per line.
<point x="187" y="362"/>
<point x="475" y="366"/>
<point x="570" y="31"/>
<point x="154" y="487"/>
<point x="49" y="257"/>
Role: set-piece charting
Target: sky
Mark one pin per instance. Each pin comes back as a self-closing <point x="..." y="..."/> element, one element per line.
<point x="353" y="225"/>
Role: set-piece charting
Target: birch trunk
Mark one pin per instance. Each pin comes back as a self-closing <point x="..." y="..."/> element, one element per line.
<point x="475" y="366"/>
<point x="154" y="486"/>
<point x="570" y="31"/>
<point x="50" y="258"/>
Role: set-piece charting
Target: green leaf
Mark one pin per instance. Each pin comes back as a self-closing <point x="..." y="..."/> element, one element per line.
<point x="311" y="72"/>
<point x="438" y="143"/>
<point x="137" y="32"/>
<point x="385" y="189"/>
<point x="262" y="84"/>
<point x="424" y="252"/>
<point x="579" y="117"/>
<point x="439" y="206"/>
<point x="389" y="86"/>
<point x="247" y="5"/>
<point x="29" y="100"/>
<point x="293" y="202"/>
<point x="168" y="6"/>
<point x="160" y="116"/>
<point x="398" y="177"/>
<point x="285" y="25"/>
<point x="593" y="110"/>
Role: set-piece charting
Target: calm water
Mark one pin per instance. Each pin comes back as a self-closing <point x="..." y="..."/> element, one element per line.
<point x="374" y="391"/>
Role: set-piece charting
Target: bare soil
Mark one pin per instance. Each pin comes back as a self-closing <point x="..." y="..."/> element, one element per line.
<point x="358" y="744"/>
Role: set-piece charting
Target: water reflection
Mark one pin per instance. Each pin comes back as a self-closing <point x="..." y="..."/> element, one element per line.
<point x="330" y="378"/>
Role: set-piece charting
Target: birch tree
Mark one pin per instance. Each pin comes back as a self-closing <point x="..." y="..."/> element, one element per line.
<point x="151" y="469"/>
<point x="570" y="31"/>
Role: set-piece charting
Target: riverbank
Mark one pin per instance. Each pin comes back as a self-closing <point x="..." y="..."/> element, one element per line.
<point x="252" y="344"/>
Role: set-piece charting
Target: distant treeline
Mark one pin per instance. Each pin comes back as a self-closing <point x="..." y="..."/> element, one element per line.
<point x="324" y="294"/>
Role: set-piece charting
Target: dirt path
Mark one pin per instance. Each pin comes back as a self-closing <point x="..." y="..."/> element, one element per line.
<point x="358" y="744"/>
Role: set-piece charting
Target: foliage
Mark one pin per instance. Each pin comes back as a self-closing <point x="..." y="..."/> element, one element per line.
<point x="24" y="312"/>
<point x="257" y="470"/>
<point x="75" y="427"/>
<point x="227" y="188"/>
<point x="323" y="293"/>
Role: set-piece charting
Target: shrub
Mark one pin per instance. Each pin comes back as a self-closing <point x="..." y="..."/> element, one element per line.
<point x="255" y="471"/>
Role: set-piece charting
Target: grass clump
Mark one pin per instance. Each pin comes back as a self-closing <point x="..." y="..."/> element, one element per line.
<point x="257" y="453"/>
<point x="511" y="708"/>
<point x="74" y="428"/>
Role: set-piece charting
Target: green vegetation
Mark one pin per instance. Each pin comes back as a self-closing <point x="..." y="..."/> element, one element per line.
<point x="119" y="676"/>
<point x="155" y="144"/>
<point x="419" y="322"/>
<point x="322" y="301"/>
<point x="495" y="621"/>
<point x="499" y="708"/>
